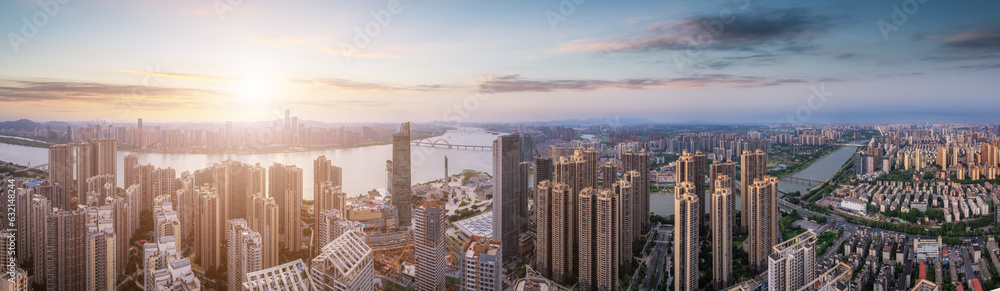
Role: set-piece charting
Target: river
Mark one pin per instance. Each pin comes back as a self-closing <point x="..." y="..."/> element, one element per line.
<point x="824" y="168"/>
<point x="364" y="167"/>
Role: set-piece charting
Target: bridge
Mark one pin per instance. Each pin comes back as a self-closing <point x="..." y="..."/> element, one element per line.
<point x="425" y="142"/>
<point x="795" y="180"/>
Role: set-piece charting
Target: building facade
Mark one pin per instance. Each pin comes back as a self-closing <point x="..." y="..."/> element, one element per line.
<point x="431" y="222"/>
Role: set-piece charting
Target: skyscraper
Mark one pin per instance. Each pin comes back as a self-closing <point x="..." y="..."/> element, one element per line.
<point x="718" y="168"/>
<point x="608" y="257"/>
<point x="210" y="235"/>
<point x="330" y="196"/>
<point x="22" y="224"/>
<point x="609" y="173"/>
<point x="346" y="263"/>
<point x="792" y="263"/>
<point x="543" y="169"/>
<point x="574" y="173"/>
<point x="99" y="188"/>
<point x="400" y="189"/>
<point x="762" y="208"/>
<point x="100" y="249"/>
<point x="123" y="226"/>
<point x="563" y="240"/>
<point x="61" y="166"/>
<point x="753" y="166"/>
<point x="243" y="252"/>
<point x="165" y="220"/>
<point x="331" y="224"/>
<point x="722" y="215"/>
<point x="131" y="160"/>
<point x="942" y="157"/>
<point x="15" y="280"/>
<point x="186" y="208"/>
<point x="639" y="162"/>
<point x="286" y="188"/>
<point x="431" y="223"/>
<point x="264" y="220"/>
<point x="543" y="229"/>
<point x="324" y="170"/>
<point x="691" y="168"/>
<point x="508" y="193"/>
<point x="84" y="166"/>
<point x="65" y="249"/>
<point x="587" y="240"/>
<point x="95" y="158"/>
<point x="625" y="220"/>
<point x="686" y="237"/>
<point x="38" y="228"/>
<point x="481" y="266"/>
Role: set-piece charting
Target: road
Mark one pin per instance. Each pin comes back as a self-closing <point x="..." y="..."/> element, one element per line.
<point x="655" y="260"/>
<point x="831" y="220"/>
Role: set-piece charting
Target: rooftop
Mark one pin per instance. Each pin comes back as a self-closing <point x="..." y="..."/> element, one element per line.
<point x="479" y="225"/>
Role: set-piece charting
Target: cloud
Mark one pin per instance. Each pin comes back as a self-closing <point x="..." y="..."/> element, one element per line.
<point x="980" y="39"/>
<point x="514" y="83"/>
<point x="180" y="76"/>
<point x="360" y="53"/>
<point x="366" y="87"/>
<point x="967" y="50"/>
<point x="148" y="97"/>
<point x="791" y="29"/>
<point x="846" y="56"/>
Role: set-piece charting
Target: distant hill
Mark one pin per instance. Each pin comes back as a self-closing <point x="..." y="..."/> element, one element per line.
<point x="595" y="121"/>
<point x="25" y="124"/>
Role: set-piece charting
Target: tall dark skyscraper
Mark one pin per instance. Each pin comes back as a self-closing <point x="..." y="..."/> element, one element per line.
<point x="639" y="162"/>
<point x="508" y="194"/>
<point x="401" y="175"/>
<point x="543" y="169"/>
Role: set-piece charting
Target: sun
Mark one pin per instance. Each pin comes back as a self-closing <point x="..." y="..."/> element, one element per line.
<point x="255" y="91"/>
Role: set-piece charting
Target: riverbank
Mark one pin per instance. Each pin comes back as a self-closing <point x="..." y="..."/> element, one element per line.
<point x="796" y="168"/>
<point x="20" y="171"/>
<point x="23" y="142"/>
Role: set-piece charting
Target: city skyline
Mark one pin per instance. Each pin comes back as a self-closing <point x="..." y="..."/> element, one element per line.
<point x="722" y="145"/>
<point x="720" y="62"/>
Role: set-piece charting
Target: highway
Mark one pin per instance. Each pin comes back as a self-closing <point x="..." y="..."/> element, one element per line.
<point x="654" y="261"/>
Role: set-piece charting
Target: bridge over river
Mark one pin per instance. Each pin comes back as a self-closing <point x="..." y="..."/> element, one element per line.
<point x="442" y="143"/>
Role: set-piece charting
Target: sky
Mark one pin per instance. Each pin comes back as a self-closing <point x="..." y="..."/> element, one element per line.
<point x="501" y="61"/>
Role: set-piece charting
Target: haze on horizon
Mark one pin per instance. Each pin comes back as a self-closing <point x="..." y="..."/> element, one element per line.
<point x="676" y="61"/>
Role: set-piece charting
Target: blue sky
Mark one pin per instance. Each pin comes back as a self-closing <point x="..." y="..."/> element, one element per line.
<point x="669" y="61"/>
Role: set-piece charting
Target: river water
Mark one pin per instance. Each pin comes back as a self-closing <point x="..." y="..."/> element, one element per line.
<point x="364" y="167"/>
